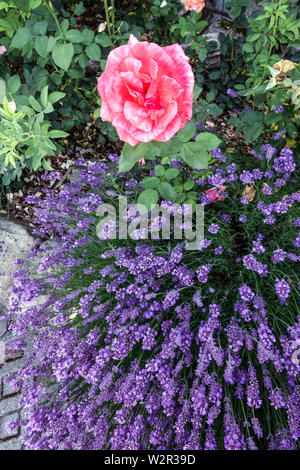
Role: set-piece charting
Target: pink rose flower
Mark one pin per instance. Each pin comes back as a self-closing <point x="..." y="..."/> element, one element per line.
<point x="2" y="50"/>
<point x="213" y="194"/>
<point x="196" y="5"/>
<point x="146" y="91"/>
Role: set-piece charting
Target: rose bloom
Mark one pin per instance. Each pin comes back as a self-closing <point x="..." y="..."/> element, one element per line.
<point x="2" y="50"/>
<point x="196" y="5"/>
<point x="213" y="194"/>
<point x="146" y="91"/>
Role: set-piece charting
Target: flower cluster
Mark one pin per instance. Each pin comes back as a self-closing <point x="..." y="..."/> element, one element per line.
<point x="140" y="345"/>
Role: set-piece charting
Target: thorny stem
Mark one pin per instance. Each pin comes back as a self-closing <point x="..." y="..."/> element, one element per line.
<point x="107" y="18"/>
<point x="51" y="9"/>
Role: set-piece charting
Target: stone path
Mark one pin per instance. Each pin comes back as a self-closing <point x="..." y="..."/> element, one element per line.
<point x="15" y="241"/>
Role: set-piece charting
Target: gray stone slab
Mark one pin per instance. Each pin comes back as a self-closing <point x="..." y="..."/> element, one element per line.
<point x="16" y="242"/>
<point x="12" y="444"/>
<point x="5" y="421"/>
<point x="9" y="405"/>
<point x="7" y="389"/>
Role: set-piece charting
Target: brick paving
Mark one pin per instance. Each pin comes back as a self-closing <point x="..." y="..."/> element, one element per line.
<point x="10" y="439"/>
<point x="15" y="241"/>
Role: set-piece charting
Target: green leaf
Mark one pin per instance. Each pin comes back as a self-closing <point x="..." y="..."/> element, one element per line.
<point x="167" y="191"/>
<point x="252" y="117"/>
<point x="196" y="92"/>
<point x="151" y="182"/>
<point x="55" y="96"/>
<point x="47" y="166"/>
<point x="148" y="198"/>
<point x="56" y="134"/>
<point x="253" y="131"/>
<point x="214" y="110"/>
<point x="202" y="53"/>
<point x="83" y="60"/>
<point x="187" y="132"/>
<point x="74" y="36"/>
<point x="51" y="43"/>
<point x="194" y="155"/>
<point x="13" y="84"/>
<point x="79" y="9"/>
<point x="21" y="38"/>
<point x="44" y="96"/>
<point x="171" y="173"/>
<point x="93" y="52"/>
<point x="130" y="156"/>
<point x="63" y="55"/>
<point x="188" y="185"/>
<point x="159" y="170"/>
<point x="2" y="90"/>
<point x="35" y="104"/>
<point x="40" y="28"/>
<point x="36" y="161"/>
<point x="104" y="40"/>
<point x="253" y="37"/>
<point x="165" y="161"/>
<point x="208" y="141"/>
<point x="41" y="46"/>
<point x="87" y="36"/>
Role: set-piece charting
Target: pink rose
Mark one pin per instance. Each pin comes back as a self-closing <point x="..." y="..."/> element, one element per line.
<point x="2" y="50"/>
<point x="146" y="91"/>
<point x="196" y="5"/>
<point x="213" y="194"/>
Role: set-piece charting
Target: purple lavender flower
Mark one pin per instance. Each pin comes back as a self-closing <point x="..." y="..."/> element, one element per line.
<point x="283" y="289"/>
<point x="246" y="293"/>
<point x="213" y="228"/>
<point x="203" y="272"/>
<point x="278" y="256"/>
<point x="279" y="134"/>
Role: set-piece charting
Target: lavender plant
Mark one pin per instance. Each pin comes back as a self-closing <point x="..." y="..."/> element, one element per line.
<point x="146" y="345"/>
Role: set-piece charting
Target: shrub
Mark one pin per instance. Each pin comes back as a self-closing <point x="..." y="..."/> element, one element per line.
<point x="146" y="345"/>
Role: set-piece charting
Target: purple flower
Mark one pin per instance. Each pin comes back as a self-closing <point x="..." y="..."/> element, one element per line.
<point x="278" y="256"/>
<point x="232" y="93"/>
<point x="246" y="293"/>
<point x="203" y="272"/>
<point x="278" y="109"/>
<point x="283" y="289"/>
<point x="213" y="228"/>
<point x="279" y="134"/>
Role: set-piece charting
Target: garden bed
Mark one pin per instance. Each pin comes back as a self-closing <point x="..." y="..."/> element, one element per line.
<point x="145" y="330"/>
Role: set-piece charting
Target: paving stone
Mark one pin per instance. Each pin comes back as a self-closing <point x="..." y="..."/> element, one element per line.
<point x="3" y="328"/>
<point x="5" y="421"/>
<point x="7" y="389"/>
<point x="11" y="367"/>
<point x="17" y="242"/>
<point x="9" y="405"/>
<point x="12" y="444"/>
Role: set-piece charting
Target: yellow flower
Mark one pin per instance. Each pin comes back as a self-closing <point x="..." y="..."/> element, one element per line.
<point x="291" y="143"/>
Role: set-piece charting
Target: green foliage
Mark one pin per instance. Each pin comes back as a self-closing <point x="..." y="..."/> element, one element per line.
<point x="280" y="90"/>
<point x="169" y="183"/>
<point x="26" y="137"/>
<point x="54" y="52"/>
<point x="268" y="32"/>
